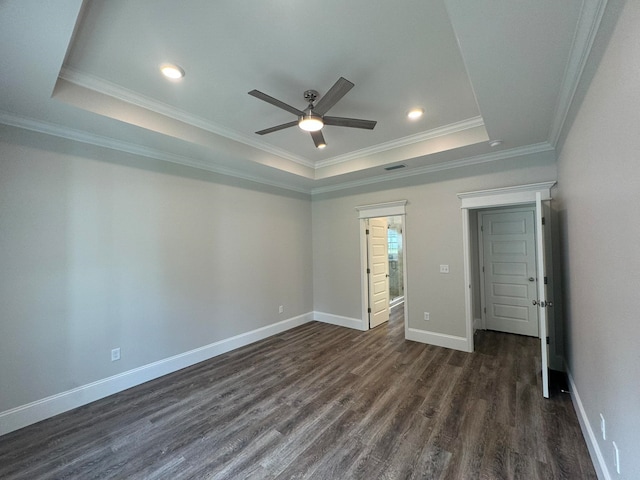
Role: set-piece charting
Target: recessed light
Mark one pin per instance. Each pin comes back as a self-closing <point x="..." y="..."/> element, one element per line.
<point x="495" y="143"/>
<point x="415" y="113"/>
<point x="322" y="145"/>
<point x="171" y="71"/>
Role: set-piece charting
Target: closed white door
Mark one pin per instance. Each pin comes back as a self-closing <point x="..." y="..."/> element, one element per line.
<point x="509" y="271"/>
<point x="378" y="271"/>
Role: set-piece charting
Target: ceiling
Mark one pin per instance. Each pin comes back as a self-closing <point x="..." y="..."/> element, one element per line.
<point x="482" y="71"/>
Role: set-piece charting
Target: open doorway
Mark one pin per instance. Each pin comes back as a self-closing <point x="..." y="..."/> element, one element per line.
<point x="538" y="195"/>
<point x="383" y="257"/>
<point x="385" y="266"/>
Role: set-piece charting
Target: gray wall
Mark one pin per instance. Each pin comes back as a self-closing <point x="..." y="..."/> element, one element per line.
<point x="433" y="236"/>
<point x="599" y="192"/>
<point x="100" y="249"/>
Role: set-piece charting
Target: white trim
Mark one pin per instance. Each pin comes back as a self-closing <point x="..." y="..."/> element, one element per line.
<point x="118" y="92"/>
<point x="132" y="148"/>
<point x="135" y="149"/>
<point x="404" y="141"/>
<point x="33" y="412"/>
<point x="590" y="438"/>
<point x="588" y="25"/>
<point x="506" y="196"/>
<point x="110" y="89"/>
<point x="438" y="339"/>
<point x="339" y="320"/>
<point x="396" y="301"/>
<point x="468" y="300"/>
<point x="387" y="209"/>
<point x="437" y="167"/>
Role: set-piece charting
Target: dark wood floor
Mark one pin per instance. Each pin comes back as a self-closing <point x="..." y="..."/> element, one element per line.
<point x="321" y="402"/>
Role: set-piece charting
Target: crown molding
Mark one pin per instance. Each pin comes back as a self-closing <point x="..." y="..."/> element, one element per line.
<point x="586" y="30"/>
<point x="404" y="141"/>
<point x="110" y="89"/>
<point x="134" y="149"/>
<point x="437" y="167"/>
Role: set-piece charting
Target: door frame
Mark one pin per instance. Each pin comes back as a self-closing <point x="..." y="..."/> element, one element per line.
<point x="508" y="209"/>
<point x="498" y="197"/>
<point x="376" y="210"/>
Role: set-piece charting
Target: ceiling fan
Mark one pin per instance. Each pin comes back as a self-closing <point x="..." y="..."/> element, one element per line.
<point x="313" y="118"/>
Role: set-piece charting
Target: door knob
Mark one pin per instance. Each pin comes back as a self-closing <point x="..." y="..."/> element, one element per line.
<point x="531" y="279"/>
<point x="535" y="302"/>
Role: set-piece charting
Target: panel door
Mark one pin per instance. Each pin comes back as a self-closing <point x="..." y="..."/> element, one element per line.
<point x="378" y="261"/>
<point x="542" y="302"/>
<point x="509" y="264"/>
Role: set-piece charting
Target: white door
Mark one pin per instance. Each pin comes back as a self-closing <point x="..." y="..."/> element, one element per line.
<point x="541" y="301"/>
<point x="509" y="271"/>
<point x="378" y="271"/>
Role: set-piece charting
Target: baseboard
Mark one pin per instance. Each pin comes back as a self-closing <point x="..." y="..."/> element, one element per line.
<point x="33" y="412"/>
<point x="339" y="320"/>
<point x="438" y="339"/>
<point x="396" y="302"/>
<point x="590" y="437"/>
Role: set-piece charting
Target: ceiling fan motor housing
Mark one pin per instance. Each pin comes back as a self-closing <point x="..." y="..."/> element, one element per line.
<point x="310" y="95"/>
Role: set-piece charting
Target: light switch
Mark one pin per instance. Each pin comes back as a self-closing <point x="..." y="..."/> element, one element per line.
<point x="444" y="268"/>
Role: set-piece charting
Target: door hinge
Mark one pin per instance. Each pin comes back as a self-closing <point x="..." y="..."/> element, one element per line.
<point x="369" y="310"/>
<point x="368" y="271"/>
<point x="482" y="228"/>
<point x="545" y="280"/>
<point x="543" y="220"/>
<point x="367" y="231"/>
<point x="483" y="268"/>
<point x="547" y="340"/>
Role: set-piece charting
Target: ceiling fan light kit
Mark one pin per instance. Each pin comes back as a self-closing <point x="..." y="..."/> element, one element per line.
<point x="312" y="119"/>
<point x="310" y="122"/>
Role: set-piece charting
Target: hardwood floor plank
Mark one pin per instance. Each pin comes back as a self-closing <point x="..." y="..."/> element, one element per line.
<point x="322" y="402"/>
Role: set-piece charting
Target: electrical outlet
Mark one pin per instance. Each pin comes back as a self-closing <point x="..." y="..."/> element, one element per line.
<point x="426" y="316"/>
<point x="616" y="457"/>
<point x="444" y="268"/>
<point x="281" y="309"/>
<point x="603" y="427"/>
<point x="115" y="354"/>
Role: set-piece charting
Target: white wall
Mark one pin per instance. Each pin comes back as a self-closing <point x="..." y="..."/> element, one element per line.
<point x="433" y="236"/>
<point x="599" y="190"/>
<point x="101" y="249"/>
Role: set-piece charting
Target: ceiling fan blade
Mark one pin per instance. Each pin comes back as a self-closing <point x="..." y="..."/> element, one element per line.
<point x="275" y="102"/>
<point x="349" y="122"/>
<point x="278" y="127"/>
<point x="318" y="138"/>
<point x="335" y="93"/>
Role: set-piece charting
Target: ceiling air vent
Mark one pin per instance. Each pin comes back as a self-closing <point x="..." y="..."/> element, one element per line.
<point x="394" y="167"/>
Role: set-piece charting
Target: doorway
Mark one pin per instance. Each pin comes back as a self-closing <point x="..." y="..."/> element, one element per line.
<point x="523" y="195"/>
<point x="385" y="266"/>
<point x="391" y="213"/>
